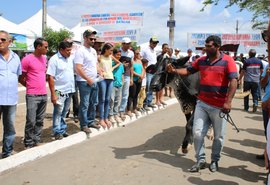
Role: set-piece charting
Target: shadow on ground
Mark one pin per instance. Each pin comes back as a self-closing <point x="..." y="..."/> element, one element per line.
<point x="156" y="147"/>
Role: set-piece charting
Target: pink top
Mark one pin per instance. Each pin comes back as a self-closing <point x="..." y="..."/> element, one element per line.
<point x="35" y="69"/>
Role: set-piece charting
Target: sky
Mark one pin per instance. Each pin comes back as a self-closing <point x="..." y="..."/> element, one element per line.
<point x="188" y="17"/>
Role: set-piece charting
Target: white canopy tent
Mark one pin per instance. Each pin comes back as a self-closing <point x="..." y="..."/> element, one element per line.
<point x="78" y="31"/>
<point x="13" y="28"/>
<point x="34" y="24"/>
<point x="17" y="29"/>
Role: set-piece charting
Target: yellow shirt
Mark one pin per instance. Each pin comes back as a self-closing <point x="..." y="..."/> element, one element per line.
<point x="106" y="65"/>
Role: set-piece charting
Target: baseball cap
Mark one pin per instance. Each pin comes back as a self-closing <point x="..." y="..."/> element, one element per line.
<point x="189" y="50"/>
<point x="99" y="39"/>
<point x="89" y="32"/>
<point x="154" y="39"/>
<point x="177" y="49"/>
<point x="126" y="40"/>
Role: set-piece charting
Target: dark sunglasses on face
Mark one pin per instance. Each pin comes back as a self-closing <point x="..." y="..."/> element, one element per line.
<point x="92" y="39"/>
<point x="3" y="39"/>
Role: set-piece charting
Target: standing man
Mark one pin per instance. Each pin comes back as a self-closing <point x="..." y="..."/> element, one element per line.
<point x="251" y="71"/>
<point x="218" y="84"/>
<point x="62" y="86"/>
<point x="10" y="69"/>
<point x="127" y="56"/>
<point x="87" y="70"/>
<point x="34" y="78"/>
<point x="176" y="55"/>
<point x="150" y="54"/>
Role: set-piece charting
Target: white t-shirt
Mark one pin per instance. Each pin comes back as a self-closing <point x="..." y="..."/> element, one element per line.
<point x="149" y="54"/>
<point x="88" y="58"/>
<point x="129" y="53"/>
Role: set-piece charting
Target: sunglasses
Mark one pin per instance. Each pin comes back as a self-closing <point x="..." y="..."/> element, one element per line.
<point x="3" y="39"/>
<point x="92" y="39"/>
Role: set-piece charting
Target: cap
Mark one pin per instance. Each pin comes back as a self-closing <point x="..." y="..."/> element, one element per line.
<point x="189" y="50"/>
<point x="100" y="40"/>
<point x="126" y="40"/>
<point x="89" y="32"/>
<point x="177" y="49"/>
<point x="154" y="39"/>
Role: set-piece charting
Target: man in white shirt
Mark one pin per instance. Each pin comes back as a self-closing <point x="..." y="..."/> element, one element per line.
<point x="128" y="75"/>
<point x="87" y="72"/>
<point x="150" y="54"/>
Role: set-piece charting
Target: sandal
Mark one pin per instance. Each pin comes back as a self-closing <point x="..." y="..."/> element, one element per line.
<point x="122" y="116"/>
<point x="108" y="123"/>
<point x="103" y="124"/>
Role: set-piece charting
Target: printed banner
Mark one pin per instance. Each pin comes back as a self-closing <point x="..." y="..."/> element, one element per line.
<point x="246" y="40"/>
<point x="117" y="36"/>
<point x="19" y="42"/>
<point x="112" y="18"/>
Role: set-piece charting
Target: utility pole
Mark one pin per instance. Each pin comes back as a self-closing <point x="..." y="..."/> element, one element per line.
<point x="44" y="16"/>
<point x="171" y="24"/>
<point x="237" y="26"/>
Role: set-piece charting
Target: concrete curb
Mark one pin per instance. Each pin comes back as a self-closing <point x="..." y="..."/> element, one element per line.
<point x="50" y="148"/>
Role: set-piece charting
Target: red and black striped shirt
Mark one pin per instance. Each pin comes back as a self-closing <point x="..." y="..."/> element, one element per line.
<point x="214" y="78"/>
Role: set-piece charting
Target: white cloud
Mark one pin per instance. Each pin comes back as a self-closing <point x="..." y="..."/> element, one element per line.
<point x="188" y="17"/>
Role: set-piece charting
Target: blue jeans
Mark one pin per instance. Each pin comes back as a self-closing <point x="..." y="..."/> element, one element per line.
<point x="254" y="88"/>
<point x="105" y="91"/>
<point x="204" y="116"/>
<point x="115" y="100"/>
<point x="149" y="93"/>
<point x="88" y="103"/>
<point x="59" y="115"/>
<point x="35" y="114"/>
<point x="125" y="93"/>
<point x="9" y="114"/>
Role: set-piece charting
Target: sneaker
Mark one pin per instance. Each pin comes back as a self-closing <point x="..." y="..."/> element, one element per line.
<point x="117" y="119"/>
<point x="112" y="120"/>
<point x="213" y="166"/>
<point x="151" y="106"/>
<point x="141" y="110"/>
<point x="65" y="134"/>
<point x="145" y="107"/>
<point x="96" y="126"/>
<point x="86" y="130"/>
<point x="198" y="166"/>
<point x="58" y="137"/>
<point x="255" y="107"/>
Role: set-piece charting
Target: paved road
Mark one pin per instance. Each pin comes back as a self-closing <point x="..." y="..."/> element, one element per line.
<point x="146" y="153"/>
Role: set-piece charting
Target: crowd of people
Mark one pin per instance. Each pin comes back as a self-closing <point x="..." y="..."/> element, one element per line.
<point x="104" y="82"/>
<point x="113" y="83"/>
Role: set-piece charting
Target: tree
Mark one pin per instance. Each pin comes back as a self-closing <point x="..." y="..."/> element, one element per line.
<point x="54" y="38"/>
<point x="259" y="8"/>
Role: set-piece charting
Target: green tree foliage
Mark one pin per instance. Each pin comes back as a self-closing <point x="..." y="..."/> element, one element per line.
<point x="54" y="38"/>
<point x="259" y="8"/>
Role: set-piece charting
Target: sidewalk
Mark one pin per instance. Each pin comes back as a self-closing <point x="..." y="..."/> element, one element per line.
<point x="50" y="145"/>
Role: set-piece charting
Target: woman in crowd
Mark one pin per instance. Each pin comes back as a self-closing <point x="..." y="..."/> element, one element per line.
<point x="106" y="85"/>
<point x="137" y="83"/>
